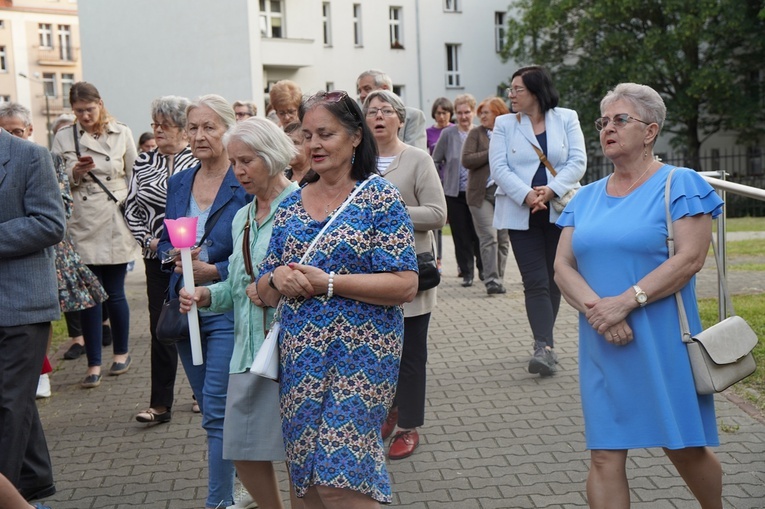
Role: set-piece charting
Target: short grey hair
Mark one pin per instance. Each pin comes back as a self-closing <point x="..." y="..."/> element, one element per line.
<point x="380" y="79"/>
<point x="218" y="104"/>
<point x="389" y="97"/>
<point x="172" y="108"/>
<point x="16" y="110"/>
<point x="647" y="102"/>
<point x="265" y="139"/>
<point x="62" y="120"/>
<point x="251" y="107"/>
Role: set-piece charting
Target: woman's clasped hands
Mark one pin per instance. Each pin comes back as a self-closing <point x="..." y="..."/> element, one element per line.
<point x="608" y="316"/>
<point x="538" y="197"/>
<point x="296" y="280"/>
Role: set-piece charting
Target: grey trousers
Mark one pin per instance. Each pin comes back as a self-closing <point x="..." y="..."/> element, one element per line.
<point x="494" y="244"/>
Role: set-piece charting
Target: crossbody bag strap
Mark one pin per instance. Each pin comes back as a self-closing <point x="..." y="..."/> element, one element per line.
<point x="102" y="186"/>
<point x="323" y="230"/>
<point x="541" y="155"/>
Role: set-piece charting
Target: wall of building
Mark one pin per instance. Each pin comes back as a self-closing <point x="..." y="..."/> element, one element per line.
<point x="187" y="47"/>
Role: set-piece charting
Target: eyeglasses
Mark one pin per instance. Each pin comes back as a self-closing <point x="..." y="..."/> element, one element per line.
<point x="335" y="96"/>
<point x="19" y="133"/>
<point x="162" y="126"/>
<point x="386" y="112"/>
<point x="619" y="121"/>
<point x="242" y="114"/>
<point x="283" y="113"/>
<point x="511" y="91"/>
<point x="81" y="111"/>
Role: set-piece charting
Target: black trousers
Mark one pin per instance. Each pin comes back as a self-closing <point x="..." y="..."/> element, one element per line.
<point x="24" y="457"/>
<point x="410" y="392"/>
<point x="534" y="251"/>
<point x="164" y="358"/>
<point x="467" y="247"/>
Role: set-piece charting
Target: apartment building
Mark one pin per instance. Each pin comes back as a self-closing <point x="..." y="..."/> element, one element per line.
<point x="239" y="48"/>
<point x="39" y="57"/>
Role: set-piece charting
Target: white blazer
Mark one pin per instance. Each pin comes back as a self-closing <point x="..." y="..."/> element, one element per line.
<point x="514" y="162"/>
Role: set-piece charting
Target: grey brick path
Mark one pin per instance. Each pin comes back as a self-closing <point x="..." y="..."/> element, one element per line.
<point x="495" y="436"/>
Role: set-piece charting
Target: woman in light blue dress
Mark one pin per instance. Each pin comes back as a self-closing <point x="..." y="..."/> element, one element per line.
<point x="613" y="266"/>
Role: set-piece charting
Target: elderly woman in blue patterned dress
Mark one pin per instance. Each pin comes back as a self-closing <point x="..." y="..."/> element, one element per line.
<point x="144" y="214"/>
<point x="612" y="265"/>
<point x="342" y="321"/>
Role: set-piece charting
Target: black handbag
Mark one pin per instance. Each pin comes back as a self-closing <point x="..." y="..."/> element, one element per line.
<point x="172" y="326"/>
<point x="429" y="276"/>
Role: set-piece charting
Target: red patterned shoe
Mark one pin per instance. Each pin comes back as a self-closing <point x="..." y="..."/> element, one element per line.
<point x="403" y="444"/>
<point x="390" y="423"/>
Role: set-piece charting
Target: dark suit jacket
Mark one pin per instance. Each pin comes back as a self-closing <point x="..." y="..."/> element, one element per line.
<point x="32" y="221"/>
<point x="231" y="197"/>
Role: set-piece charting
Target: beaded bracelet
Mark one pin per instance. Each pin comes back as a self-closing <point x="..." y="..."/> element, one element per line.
<point x="331" y="284"/>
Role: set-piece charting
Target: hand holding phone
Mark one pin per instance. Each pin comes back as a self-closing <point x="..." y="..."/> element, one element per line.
<point x="85" y="159"/>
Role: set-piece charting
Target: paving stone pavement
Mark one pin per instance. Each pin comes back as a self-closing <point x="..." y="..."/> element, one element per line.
<point x="495" y="436"/>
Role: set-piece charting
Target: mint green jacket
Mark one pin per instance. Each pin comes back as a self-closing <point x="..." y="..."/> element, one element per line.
<point x="250" y="321"/>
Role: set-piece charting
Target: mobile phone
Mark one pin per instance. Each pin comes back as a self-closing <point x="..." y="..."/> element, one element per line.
<point x="85" y="159"/>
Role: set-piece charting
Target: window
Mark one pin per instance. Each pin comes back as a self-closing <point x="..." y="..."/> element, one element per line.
<point x="357" y="40"/>
<point x="5" y="99"/>
<point x="396" y="31"/>
<point x="451" y="6"/>
<point x="326" y="23"/>
<point x="271" y="18"/>
<point x="67" y="80"/>
<point x="453" y="66"/>
<point x="65" y="42"/>
<point x="499" y="31"/>
<point x="329" y="86"/>
<point x="3" y="63"/>
<point x="45" y="30"/>
<point x="399" y="91"/>
<point x="2" y="23"/>
<point x="49" y="83"/>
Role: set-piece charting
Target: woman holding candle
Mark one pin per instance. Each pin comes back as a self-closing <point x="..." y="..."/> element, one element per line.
<point x="342" y="322"/>
<point x="252" y="435"/>
<point x="211" y="192"/>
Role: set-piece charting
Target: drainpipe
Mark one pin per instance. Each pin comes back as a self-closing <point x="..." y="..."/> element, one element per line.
<point x="419" y="66"/>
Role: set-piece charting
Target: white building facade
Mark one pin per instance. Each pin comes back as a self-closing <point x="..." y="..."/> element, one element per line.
<point x="138" y="50"/>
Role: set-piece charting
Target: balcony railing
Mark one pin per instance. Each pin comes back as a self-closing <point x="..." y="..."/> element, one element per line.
<point x="58" y="55"/>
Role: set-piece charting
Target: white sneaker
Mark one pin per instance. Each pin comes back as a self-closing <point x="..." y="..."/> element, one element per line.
<point x="245" y="503"/>
<point x="43" y="387"/>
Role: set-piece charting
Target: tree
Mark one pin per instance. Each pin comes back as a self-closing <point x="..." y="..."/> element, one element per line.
<point x="703" y="56"/>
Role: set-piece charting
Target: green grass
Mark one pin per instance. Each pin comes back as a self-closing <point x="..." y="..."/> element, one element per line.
<point x="60" y="334"/>
<point x="745" y="224"/>
<point x="750" y="308"/>
<point x="751" y="247"/>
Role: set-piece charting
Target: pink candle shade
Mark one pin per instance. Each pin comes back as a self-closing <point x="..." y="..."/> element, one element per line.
<point x="182" y="231"/>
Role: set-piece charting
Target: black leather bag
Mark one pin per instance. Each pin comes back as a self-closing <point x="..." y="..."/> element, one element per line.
<point x="429" y="276"/>
<point x="172" y="326"/>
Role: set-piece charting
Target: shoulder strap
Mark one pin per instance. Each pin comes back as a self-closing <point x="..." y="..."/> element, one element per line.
<point x="541" y="155"/>
<point x="211" y="220"/>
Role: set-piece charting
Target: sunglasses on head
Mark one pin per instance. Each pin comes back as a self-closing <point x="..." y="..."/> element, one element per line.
<point x="332" y="97"/>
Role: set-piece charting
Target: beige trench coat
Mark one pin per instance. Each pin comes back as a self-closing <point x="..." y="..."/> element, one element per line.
<point x="97" y="226"/>
<point x="414" y="174"/>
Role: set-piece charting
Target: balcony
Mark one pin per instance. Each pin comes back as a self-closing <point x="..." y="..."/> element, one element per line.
<point x="61" y="56"/>
<point x="287" y="53"/>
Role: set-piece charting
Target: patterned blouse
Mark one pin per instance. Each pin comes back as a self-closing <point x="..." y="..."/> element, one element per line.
<point x="147" y="193"/>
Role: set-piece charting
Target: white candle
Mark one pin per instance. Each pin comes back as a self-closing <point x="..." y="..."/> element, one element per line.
<point x="188" y="284"/>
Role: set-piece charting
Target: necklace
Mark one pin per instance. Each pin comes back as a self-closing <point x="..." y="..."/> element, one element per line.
<point x="328" y="204"/>
<point x="636" y="180"/>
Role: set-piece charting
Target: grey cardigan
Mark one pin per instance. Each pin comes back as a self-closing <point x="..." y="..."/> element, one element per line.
<point x="449" y="151"/>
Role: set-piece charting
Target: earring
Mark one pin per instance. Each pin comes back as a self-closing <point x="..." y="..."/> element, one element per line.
<point x="645" y="151"/>
<point x="353" y="157"/>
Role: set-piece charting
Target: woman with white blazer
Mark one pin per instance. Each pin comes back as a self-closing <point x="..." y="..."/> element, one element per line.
<point x="525" y="188"/>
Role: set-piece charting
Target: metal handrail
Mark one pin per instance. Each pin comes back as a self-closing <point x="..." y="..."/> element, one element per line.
<point x="723" y="186"/>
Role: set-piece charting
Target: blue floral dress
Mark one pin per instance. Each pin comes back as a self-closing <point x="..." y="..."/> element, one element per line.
<point x="340" y="357"/>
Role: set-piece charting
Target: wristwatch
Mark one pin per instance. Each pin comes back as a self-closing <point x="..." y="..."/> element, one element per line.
<point x="640" y="296"/>
<point x="147" y="241"/>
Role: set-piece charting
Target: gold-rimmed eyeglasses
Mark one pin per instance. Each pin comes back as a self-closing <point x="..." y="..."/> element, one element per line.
<point x="511" y="91"/>
<point x="619" y="121"/>
<point x="163" y="126"/>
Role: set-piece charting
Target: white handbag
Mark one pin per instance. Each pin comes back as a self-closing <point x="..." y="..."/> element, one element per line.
<point x="266" y="362"/>
<point x="721" y="355"/>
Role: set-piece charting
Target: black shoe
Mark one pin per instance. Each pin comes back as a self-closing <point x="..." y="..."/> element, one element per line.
<point x="493" y="288"/>
<point x="480" y="274"/>
<point x="91" y="381"/>
<point x="467" y="281"/>
<point x="151" y="416"/>
<point x="74" y="352"/>
<point x="38" y="492"/>
<point x="119" y="368"/>
<point x="106" y="338"/>
<point x="542" y="362"/>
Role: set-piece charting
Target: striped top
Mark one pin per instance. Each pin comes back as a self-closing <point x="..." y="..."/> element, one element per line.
<point x="147" y="193"/>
